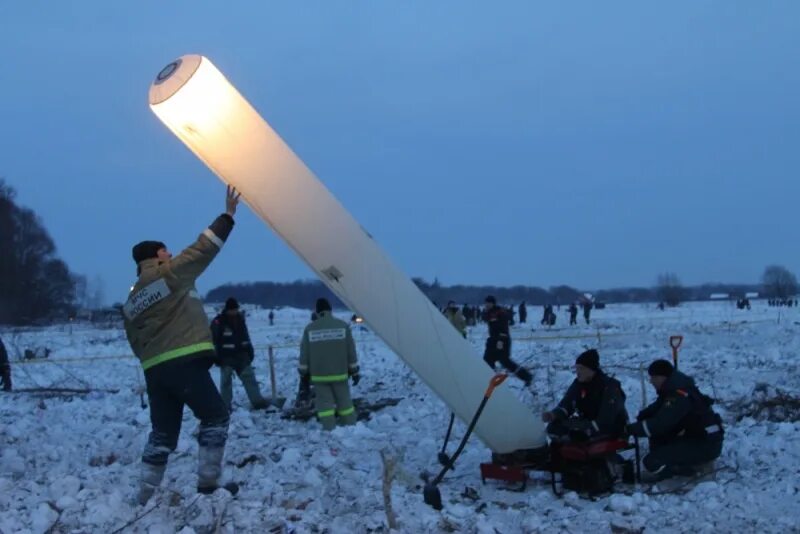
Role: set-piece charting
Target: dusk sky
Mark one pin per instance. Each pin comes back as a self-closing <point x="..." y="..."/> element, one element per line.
<point x="584" y="143"/>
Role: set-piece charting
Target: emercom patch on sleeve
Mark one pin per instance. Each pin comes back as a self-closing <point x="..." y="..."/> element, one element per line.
<point x="145" y="297"/>
<point x="331" y="334"/>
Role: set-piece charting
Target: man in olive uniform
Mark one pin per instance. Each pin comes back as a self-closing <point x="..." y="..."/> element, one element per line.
<point x="683" y="429"/>
<point x="5" y="368"/>
<point x="167" y="329"/>
<point x="235" y="354"/>
<point x="328" y="358"/>
<point x="593" y="406"/>
<point x="456" y="318"/>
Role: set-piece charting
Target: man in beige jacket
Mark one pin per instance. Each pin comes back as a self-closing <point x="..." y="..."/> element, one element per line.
<point x="168" y="331"/>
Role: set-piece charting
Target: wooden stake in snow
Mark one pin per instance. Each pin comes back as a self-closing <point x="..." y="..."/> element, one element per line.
<point x="644" y="389"/>
<point x="388" y="476"/>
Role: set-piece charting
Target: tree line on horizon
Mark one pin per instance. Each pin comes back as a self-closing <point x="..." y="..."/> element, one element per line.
<point x="777" y="283"/>
<point x="37" y="287"/>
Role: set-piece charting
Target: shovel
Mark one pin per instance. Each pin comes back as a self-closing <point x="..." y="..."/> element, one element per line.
<point x="443" y="457"/>
<point x="431" y="493"/>
<point x="675" y="343"/>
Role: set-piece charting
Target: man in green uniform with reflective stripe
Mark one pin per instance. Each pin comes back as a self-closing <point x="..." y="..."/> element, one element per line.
<point x="456" y="318"/>
<point x="328" y="358"/>
<point x="168" y="331"/>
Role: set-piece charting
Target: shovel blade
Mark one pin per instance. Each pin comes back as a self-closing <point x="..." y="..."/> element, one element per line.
<point x="433" y="497"/>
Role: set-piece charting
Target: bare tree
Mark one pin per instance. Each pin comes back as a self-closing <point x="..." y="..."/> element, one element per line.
<point x="34" y="283"/>
<point x="81" y="290"/>
<point x="669" y="289"/>
<point x="96" y="293"/>
<point x="779" y="282"/>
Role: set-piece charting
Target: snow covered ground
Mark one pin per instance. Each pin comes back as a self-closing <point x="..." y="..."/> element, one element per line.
<point x="70" y="463"/>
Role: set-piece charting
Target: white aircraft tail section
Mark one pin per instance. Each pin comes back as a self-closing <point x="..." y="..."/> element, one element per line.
<point x="206" y="112"/>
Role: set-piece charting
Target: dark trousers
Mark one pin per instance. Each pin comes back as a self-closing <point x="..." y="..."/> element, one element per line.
<point x="304" y="388"/>
<point x="172" y="384"/>
<point x="5" y="376"/>
<point x="683" y="452"/>
<point x="492" y="355"/>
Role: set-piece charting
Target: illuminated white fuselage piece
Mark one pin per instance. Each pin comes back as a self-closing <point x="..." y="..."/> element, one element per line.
<point x="206" y="112"/>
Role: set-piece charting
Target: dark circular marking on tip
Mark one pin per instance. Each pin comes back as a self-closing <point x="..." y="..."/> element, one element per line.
<point x="168" y="71"/>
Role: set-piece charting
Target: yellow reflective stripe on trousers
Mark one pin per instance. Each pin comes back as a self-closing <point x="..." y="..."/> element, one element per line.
<point x="177" y="353"/>
<point x="326" y="413"/>
<point x="328" y="378"/>
<point x="348" y="411"/>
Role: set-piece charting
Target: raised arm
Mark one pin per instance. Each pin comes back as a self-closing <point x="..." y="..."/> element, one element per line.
<point x="192" y="261"/>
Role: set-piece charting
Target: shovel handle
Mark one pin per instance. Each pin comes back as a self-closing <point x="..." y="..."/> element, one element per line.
<point x="272" y="373"/>
<point x="494" y="382"/>
<point x="675" y="343"/>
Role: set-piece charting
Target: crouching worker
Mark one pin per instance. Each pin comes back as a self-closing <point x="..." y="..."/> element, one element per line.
<point x="235" y="354"/>
<point x="328" y="358"/>
<point x="167" y="329"/>
<point x="592" y="408"/>
<point x="683" y="429"/>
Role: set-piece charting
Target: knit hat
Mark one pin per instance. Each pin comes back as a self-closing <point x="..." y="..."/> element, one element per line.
<point x="660" y="368"/>
<point x="590" y="359"/>
<point x="231" y="304"/>
<point x="146" y="250"/>
<point x="491" y="299"/>
<point x="323" y="305"/>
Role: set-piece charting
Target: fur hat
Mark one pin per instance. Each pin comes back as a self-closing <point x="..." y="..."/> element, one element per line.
<point x="590" y="359"/>
<point x="146" y="250"/>
<point x="323" y="305"/>
<point x="660" y="368"/>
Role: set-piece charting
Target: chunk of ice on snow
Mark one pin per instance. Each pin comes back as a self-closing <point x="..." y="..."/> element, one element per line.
<point x="66" y="502"/>
<point x="43" y="518"/>
<point x="622" y="504"/>
<point x="325" y="460"/>
<point x="312" y="477"/>
<point x="66" y="486"/>
<point x="291" y="457"/>
<point x="12" y="462"/>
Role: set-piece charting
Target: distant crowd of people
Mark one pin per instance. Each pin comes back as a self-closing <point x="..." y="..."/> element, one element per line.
<point x="783" y="302"/>
<point x="472" y="315"/>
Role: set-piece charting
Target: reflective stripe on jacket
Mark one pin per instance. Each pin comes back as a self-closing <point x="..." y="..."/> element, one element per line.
<point x="327" y="350"/>
<point x="164" y="315"/>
